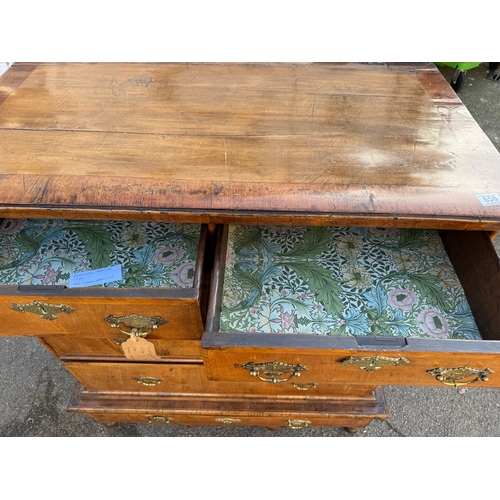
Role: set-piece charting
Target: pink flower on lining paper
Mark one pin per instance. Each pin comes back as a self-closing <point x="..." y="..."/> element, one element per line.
<point x="166" y="255"/>
<point x="432" y="322"/>
<point x="10" y="226"/>
<point x="401" y="299"/>
<point x="184" y="274"/>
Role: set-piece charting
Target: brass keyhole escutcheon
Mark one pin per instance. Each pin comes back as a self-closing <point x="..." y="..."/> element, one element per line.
<point x="154" y="419"/>
<point x="303" y="387"/>
<point x="148" y="381"/>
<point x="228" y="420"/>
<point x="371" y="363"/>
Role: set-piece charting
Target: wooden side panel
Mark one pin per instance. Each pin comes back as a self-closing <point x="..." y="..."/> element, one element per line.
<point x="477" y="265"/>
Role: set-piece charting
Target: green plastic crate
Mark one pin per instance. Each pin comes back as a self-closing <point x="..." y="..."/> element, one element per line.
<point x="458" y="78"/>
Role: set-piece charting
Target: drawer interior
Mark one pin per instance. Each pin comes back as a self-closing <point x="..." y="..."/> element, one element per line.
<point x="357" y="281"/>
<point x="165" y="274"/>
<point x="47" y="252"/>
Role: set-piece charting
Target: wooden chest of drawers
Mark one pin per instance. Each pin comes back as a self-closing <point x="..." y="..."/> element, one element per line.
<point x="383" y="153"/>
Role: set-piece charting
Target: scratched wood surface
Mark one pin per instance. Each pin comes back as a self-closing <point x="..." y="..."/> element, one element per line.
<point x="274" y="143"/>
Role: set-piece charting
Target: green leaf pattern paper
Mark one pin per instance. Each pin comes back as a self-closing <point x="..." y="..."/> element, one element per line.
<point x="342" y="281"/>
<point x="46" y="251"/>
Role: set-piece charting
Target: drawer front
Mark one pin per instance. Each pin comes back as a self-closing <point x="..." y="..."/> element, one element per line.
<point x="378" y="367"/>
<point x="296" y="421"/>
<point x="179" y="378"/>
<point x="102" y="317"/>
<point x="71" y="345"/>
<point x="231" y="411"/>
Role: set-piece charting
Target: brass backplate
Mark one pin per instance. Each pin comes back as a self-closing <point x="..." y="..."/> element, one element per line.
<point x="297" y="424"/>
<point x="371" y="363"/>
<point x="455" y="376"/>
<point x="228" y="420"/>
<point x="273" y="370"/>
<point x="139" y="325"/>
<point x="44" y="310"/>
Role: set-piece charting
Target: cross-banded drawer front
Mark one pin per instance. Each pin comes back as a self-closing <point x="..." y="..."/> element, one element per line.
<point x="190" y="378"/>
<point x="230" y="410"/>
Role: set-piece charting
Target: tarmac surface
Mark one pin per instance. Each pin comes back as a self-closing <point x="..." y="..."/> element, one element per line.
<point x="35" y="388"/>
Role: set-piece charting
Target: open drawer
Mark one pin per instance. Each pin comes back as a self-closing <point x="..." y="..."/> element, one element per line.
<point x="162" y="293"/>
<point x="354" y="305"/>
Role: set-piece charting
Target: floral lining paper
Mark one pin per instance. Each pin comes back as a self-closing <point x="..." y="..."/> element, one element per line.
<point x="342" y="281"/>
<point x="46" y="252"/>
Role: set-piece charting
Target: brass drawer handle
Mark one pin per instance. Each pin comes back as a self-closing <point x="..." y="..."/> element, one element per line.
<point x="152" y="419"/>
<point x="44" y="310"/>
<point x="274" y="370"/>
<point x="454" y="376"/>
<point x="228" y="420"/>
<point x="298" y="424"/>
<point x="148" y="381"/>
<point x="303" y="387"/>
<point x="372" y="363"/>
<point x="139" y="325"/>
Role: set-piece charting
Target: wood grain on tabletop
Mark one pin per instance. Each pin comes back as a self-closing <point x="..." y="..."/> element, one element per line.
<point x="373" y="140"/>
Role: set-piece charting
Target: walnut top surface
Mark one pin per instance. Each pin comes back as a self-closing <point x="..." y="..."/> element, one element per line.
<point x="219" y="142"/>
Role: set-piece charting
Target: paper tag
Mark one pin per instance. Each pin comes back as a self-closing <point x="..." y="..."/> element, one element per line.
<point x="139" y="348"/>
<point x="488" y="199"/>
<point x="96" y="277"/>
